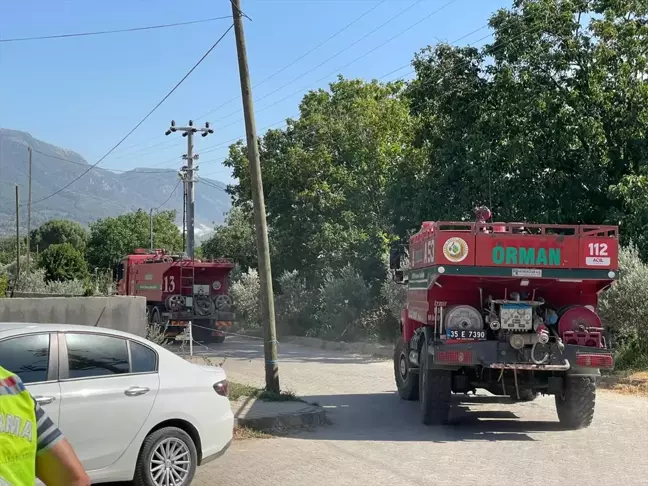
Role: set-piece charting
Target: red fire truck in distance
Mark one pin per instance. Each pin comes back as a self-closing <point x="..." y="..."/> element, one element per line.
<point x="179" y="290"/>
<point x="506" y="307"/>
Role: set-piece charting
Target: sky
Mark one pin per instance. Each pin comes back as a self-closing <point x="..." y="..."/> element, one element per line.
<point x="86" y="93"/>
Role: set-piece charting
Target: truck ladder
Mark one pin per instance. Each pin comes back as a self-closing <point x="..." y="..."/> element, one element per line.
<point x="187" y="275"/>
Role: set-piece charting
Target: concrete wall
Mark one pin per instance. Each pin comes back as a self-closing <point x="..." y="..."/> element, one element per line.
<point x="121" y="313"/>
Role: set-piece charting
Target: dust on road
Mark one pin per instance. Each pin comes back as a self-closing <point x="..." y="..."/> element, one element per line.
<point x="377" y="439"/>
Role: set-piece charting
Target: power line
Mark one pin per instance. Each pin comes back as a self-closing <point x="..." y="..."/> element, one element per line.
<point x="240" y="12"/>
<point x="221" y="144"/>
<point x="170" y="195"/>
<point x="142" y="120"/>
<point x="82" y="164"/>
<point x="292" y="63"/>
<point x="117" y="31"/>
<point x="391" y="19"/>
<point x="295" y="61"/>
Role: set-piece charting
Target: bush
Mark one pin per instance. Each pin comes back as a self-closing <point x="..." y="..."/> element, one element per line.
<point x="245" y="293"/>
<point x="34" y="281"/>
<point x="4" y="285"/>
<point x="63" y="262"/>
<point x="343" y="298"/>
<point x="624" y="310"/>
<point x="294" y="305"/>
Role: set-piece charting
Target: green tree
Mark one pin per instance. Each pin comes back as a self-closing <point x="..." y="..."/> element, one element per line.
<point x="325" y="178"/>
<point x="62" y="262"/>
<point x="58" y="231"/>
<point x="234" y="239"/>
<point x="113" y="238"/>
<point x="548" y="123"/>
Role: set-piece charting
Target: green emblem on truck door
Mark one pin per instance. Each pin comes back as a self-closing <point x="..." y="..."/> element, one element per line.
<point x="511" y="255"/>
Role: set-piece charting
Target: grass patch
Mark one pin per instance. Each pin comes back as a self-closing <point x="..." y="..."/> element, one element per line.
<point x="242" y="433"/>
<point x="239" y="390"/>
<point x="630" y="383"/>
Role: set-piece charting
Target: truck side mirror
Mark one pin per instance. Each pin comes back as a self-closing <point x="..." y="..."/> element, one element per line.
<point x="395" y="258"/>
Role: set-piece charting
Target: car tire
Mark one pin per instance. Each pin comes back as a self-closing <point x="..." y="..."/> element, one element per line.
<point x="152" y="450"/>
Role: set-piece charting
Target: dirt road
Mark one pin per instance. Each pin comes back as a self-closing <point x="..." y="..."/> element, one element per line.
<point x="377" y="439"/>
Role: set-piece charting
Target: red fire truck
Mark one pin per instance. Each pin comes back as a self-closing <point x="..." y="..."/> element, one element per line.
<point x="506" y="307"/>
<point x="178" y="290"/>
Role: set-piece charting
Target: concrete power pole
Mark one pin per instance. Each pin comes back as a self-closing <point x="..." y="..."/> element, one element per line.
<point x="151" y="227"/>
<point x="189" y="177"/>
<point x="17" y="235"/>
<point x="263" y="247"/>
<point x="29" y="206"/>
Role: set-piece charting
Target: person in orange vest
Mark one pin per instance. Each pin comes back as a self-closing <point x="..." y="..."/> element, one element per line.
<point x="31" y="446"/>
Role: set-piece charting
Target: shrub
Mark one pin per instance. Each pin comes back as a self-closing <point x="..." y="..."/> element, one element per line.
<point x="394" y="295"/>
<point x="34" y="281"/>
<point x="294" y="304"/>
<point x="624" y="310"/>
<point x="245" y="293"/>
<point x="63" y="262"/>
<point x="343" y="298"/>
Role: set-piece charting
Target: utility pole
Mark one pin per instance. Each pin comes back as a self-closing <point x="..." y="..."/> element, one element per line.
<point x="263" y="247"/>
<point x="17" y="236"/>
<point x="188" y="176"/>
<point x="29" y="204"/>
<point x="184" y="216"/>
<point x="151" y="227"/>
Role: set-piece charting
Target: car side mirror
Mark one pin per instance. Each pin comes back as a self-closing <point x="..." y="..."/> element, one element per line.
<point x="395" y="258"/>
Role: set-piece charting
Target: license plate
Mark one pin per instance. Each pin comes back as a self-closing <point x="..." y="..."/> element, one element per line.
<point x="465" y="334"/>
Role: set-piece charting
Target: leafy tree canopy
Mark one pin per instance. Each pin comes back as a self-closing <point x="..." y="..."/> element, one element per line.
<point x="325" y="177"/>
<point x="62" y="262"/>
<point x="57" y="231"/>
<point x="235" y="239"/>
<point x="113" y="238"/>
<point x="547" y="124"/>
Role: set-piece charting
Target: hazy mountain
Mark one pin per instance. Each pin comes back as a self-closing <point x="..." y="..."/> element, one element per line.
<point x="98" y="194"/>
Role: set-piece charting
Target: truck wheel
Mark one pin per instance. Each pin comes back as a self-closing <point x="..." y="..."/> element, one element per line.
<point x="218" y="339"/>
<point x="525" y="396"/>
<point x="406" y="381"/>
<point x="435" y="391"/>
<point x="575" y="406"/>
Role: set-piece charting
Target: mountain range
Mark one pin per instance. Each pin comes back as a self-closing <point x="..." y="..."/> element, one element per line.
<point x="98" y="194"/>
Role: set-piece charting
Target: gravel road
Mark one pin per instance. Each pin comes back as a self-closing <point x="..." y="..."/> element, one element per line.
<point x="377" y="439"/>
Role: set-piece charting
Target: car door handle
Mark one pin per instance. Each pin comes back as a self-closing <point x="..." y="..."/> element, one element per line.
<point x="44" y="400"/>
<point x="135" y="391"/>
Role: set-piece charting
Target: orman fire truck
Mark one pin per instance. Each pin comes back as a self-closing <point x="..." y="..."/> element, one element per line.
<point x="179" y="290"/>
<point x="506" y="307"/>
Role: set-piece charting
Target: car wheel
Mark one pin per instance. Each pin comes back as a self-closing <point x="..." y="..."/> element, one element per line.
<point x="168" y="456"/>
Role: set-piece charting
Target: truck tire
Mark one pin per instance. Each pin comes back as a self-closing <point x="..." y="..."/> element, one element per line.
<point x="406" y="381"/>
<point x="575" y="406"/>
<point x="435" y="390"/>
<point x="202" y="331"/>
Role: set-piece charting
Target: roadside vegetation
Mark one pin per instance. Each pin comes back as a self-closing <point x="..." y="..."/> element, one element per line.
<point x="545" y="123"/>
<point x="238" y="391"/>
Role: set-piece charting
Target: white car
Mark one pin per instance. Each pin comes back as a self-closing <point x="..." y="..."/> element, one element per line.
<point x="131" y="409"/>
